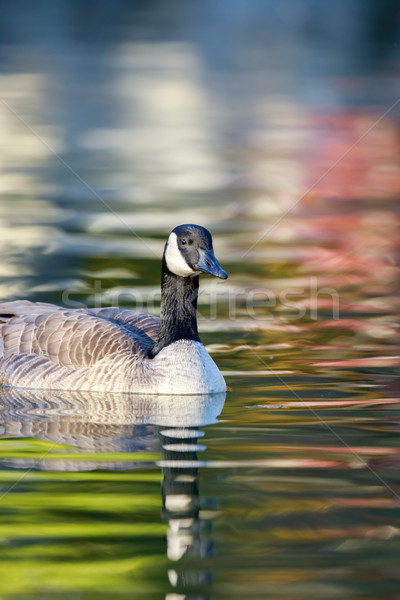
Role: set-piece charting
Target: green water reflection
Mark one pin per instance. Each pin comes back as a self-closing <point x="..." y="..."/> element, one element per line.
<point x="109" y="495"/>
<point x="82" y="504"/>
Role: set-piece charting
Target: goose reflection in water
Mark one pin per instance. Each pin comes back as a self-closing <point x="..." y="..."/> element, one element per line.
<point x="98" y="423"/>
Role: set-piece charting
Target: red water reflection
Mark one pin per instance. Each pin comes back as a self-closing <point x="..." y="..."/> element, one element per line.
<point x="344" y="231"/>
<point x="353" y="157"/>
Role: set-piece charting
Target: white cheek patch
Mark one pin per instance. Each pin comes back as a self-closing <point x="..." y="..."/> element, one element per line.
<point x="174" y="259"/>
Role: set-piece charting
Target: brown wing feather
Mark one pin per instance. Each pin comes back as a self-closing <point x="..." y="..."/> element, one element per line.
<point x="148" y="324"/>
<point x="75" y="339"/>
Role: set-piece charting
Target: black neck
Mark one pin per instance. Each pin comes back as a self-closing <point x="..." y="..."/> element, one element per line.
<point x="178" y="319"/>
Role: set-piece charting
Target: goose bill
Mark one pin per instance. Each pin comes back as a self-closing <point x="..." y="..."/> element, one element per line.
<point x="209" y="264"/>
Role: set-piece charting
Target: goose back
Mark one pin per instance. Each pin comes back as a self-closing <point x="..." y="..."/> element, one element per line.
<point x="42" y="345"/>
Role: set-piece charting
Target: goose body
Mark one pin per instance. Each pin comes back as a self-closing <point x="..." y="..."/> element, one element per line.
<point x="118" y="350"/>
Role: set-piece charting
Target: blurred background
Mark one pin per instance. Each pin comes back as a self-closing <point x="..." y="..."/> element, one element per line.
<point x="273" y="124"/>
<point x="276" y="126"/>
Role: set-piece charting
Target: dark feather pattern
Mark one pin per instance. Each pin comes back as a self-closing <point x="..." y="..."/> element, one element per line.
<point x="39" y="337"/>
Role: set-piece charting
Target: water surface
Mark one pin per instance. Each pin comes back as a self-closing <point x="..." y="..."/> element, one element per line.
<point x="278" y="130"/>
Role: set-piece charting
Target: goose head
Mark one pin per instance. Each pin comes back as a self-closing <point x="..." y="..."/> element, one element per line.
<point x="189" y="252"/>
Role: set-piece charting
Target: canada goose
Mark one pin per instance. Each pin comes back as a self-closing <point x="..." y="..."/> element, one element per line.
<point x="118" y="350"/>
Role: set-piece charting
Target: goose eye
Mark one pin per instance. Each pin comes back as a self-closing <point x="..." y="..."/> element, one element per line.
<point x="183" y="242"/>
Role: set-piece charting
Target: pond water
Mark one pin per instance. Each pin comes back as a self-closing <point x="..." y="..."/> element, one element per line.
<point x="277" y="129"/>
